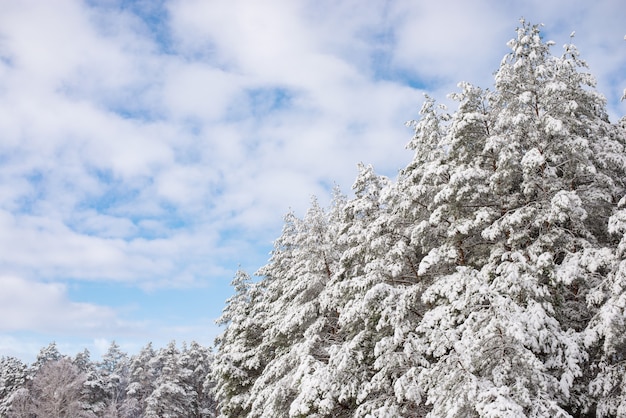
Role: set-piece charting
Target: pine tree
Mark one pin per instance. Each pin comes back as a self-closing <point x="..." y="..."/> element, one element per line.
<point x="141" y="382"/>
<point x="114" y="371"/>
<point x="13" y="377"/>
<point x="94" y="391"/>
<point x="196" y="362"/>
<point x="410" y="202"/>
<point x="169" y="399"/>
<point x="303" y="262"/>
<point x="109" y="378"/>
<point x="504" y="332"/>
<point x="45" y="355"/>
<point x="369" y="294"/>
<point x="238" y="362"/>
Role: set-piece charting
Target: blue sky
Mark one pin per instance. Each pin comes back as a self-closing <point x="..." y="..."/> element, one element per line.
<point x="149" y="148"/>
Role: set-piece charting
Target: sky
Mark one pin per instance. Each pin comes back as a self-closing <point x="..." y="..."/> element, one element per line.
<point x="150" y="148"/>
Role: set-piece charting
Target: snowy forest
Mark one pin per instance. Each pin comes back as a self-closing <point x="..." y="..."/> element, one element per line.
<point x="166" y="382"/>
<point x="488" y="279"/>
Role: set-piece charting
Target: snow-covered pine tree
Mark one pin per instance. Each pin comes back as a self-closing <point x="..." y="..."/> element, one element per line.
<point x="195" y="360"/>
<point x="46" y="354"/>
<point x="372" y="293"/>
<point x="94" y="391"/>
<point x="332" y="386"/>
<point x="141" y="383"/>
<point x="409" y="205"/>
<point x="13" y="376"/>
<point x="238" y="361"/>
<point x="114" y="372"/>
<point x="170" y="398"/>
<point x="412" y="197"/>
<point x="461" y="207"/>
<point x="303" y="261"/>
<point x="503" y="332"/>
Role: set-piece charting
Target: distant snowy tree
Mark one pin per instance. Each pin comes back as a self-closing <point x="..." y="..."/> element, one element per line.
<point x="45" y="355"/>
<point x="196" y="360"/>
<point x="82" y="360"/>
<point x="111" y="375"/>
<point x="141" y="383"/>
<point x="13" y="377"/>
<point x="114" y="371"/>
<point x="169" y="399"/>
<point x="93" y="392"/>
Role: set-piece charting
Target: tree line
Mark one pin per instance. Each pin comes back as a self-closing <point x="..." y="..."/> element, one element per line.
<point x="487" y="280"/>
<point x="166" y="382"/>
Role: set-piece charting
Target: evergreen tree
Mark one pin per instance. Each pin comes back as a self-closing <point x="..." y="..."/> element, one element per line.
<point x="606" y="333"/>
<point x="366" y="293"/>
<point x="45" y="355"/>
<point x="114" y="372"/>
<point x="141" y="382"/>
<point x="109" y="379"/>
<point x="237" y="361"/>
<point x="415" y="232"/>
<point x="93" y="392"/>
<point x="169" y="399"/>
<point x="196" y="361"/>
<point x="13" y="377"/>
<point x="303" y="262"/>
<point x="504" y="330"/>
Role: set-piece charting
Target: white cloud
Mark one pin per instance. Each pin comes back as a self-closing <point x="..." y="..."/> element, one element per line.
<point x="199" y="91"/>
<point x="44" y="307"/>
<point x="165" y="165"/>
<point x="448" y="41"/>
